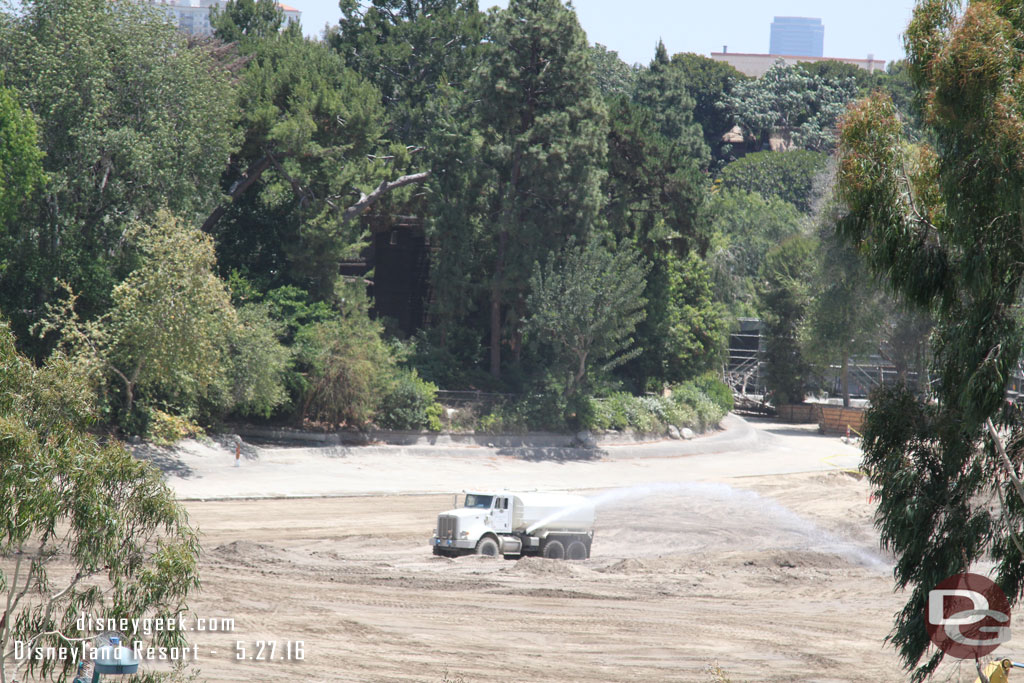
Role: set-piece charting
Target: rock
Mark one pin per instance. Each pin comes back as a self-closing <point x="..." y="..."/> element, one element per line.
<point x="688" y="433"/>
<point x="586" y="439"/>
<point x="490" y="445"/>
<point x="673" y="432"/>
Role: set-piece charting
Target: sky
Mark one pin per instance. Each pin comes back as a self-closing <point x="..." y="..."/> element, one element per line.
<point x="852" y="29"/>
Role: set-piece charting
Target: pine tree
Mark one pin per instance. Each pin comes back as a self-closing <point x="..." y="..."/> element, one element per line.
<point x="544" y="130"/>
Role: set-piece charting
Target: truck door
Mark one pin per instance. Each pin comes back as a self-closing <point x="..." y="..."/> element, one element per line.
<point x="500" y="514"/>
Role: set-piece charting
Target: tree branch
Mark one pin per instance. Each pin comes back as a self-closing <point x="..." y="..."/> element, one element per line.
<point x="1007" y="465"/>
<point x="368" y="200"/>
<point x="252" y="174"/>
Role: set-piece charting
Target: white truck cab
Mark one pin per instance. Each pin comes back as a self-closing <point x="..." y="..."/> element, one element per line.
<point x="513" y="524"/>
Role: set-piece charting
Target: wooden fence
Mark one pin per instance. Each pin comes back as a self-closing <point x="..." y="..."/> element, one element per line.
<point x="836" y="419"/>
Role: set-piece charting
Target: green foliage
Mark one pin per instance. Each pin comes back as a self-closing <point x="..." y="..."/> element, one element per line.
<point x="662" y="89"/>
<point x="586" y="302"/>
<point x="241" y="19"/>
<point x="164" y="339"/>
<point x="416" y="52"/>
<point x="131" y="120"/>
<point x="92" y="508"/>
<point x="346" y="368"/>
<point x="21" y="170"/>
<point x="410" y="403"/>
<point x="544" y="125"/>
<point x="940" y="222"/>
<point x="846" y="315"/>
<point x="164" y="429"/>
<point x="313" y="131"/>
<point x="614" y="77"/>
<point x="712" y="386"/>
<point x="687" y="406"/>
<point x="790" y="176"/>
<point x="708" y="82"/>
<point x="784" y="297"/>
<point x="259" y="363"/>
<point x="747" y="226"/>
<point x="655" y="187"/>
<point x="802" y="109"/>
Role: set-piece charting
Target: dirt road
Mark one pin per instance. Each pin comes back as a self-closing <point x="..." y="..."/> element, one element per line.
<point x="772" y="578"/>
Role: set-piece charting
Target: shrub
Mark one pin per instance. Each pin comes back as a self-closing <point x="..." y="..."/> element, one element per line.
<point x="164" y="429"/>
<point x="410" y="404"/>
<point x="716" y="390"/>
<point x="347" y="367"/>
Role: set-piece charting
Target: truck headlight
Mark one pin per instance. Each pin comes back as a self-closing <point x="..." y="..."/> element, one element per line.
<point x="464" y="534"/>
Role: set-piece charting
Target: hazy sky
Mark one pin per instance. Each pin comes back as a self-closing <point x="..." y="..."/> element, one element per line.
<point x="852" y="29"/>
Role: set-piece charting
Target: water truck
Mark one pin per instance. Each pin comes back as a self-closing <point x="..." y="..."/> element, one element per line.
<point x="514" y="524"/>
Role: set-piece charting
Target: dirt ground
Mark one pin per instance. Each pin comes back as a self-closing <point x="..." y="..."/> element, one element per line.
<point x="771" y="578"/>
<point x="696" y="565"/>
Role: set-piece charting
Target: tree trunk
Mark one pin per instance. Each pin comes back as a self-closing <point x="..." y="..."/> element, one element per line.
<point x="845" y="381"/>
<point x="499" y="272"/>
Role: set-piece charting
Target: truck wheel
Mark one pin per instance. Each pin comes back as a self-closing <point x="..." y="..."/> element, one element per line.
<point x="553" y="550"/>
<point x="577" y="550"/>
<point x="487" y="546"/>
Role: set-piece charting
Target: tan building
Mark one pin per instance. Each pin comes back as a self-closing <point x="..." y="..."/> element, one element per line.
<point x="193" y="16"/>
<point x="755" y="65"/>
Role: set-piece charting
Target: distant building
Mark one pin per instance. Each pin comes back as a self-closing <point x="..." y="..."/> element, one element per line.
<point x="756" y="65"/>
<point x="193" y="16"/>
<point x="797" y="36"/>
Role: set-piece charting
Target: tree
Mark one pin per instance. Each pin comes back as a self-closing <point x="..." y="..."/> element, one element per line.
<point x="240" y="19"/>
<point x="791" y="176"/>
<point x="165" y="336"/>
<point x="131" y="119"/>
<point x="746" y="227"/>
<point x="788" y="102"/>
<point x="21" y="169"/>
<point x="544" y="130"/>
<point x="66" y="501"/>
<point x="845" y="318"/>
<point x="708" y="82"/>
<point x="662" y="89"/>
<point x="416" y="52"/>
<point x="587" y="303"/>
<point x="313" y="161"/>
<point x="940" y="222"/>
<point x="784" y="296"/>
<point x="614" y="77"/>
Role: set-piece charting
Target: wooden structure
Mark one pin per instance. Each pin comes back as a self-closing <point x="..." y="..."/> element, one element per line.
<point x="836" y="419"/>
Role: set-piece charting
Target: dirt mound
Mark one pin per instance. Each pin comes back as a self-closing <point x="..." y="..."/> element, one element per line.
<point x="789" y="559"/>
<point x="539" y="566"/>
<point x="627" y="566"/>
<point x="247" y="553"/>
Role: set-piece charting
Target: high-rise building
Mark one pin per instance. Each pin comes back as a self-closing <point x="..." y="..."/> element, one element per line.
<point x="193" y="16"/>
<point x="797" y="36"/>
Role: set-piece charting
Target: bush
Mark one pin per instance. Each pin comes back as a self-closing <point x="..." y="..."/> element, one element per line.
<point x="347" y="366"/>
<point x="164" y="429"/>
<point x="410" y="404"/>
<point x="716" y="390"/>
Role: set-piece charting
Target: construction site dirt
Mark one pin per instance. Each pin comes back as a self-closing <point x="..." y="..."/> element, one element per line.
<point x="709" y="577"/>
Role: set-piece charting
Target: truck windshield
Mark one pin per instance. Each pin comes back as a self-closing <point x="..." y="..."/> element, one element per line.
<point x="475" y="501"/>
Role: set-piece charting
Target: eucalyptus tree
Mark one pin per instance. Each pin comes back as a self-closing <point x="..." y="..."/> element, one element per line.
<point x="941" y="221"/>
<point x="85" y="528"/>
